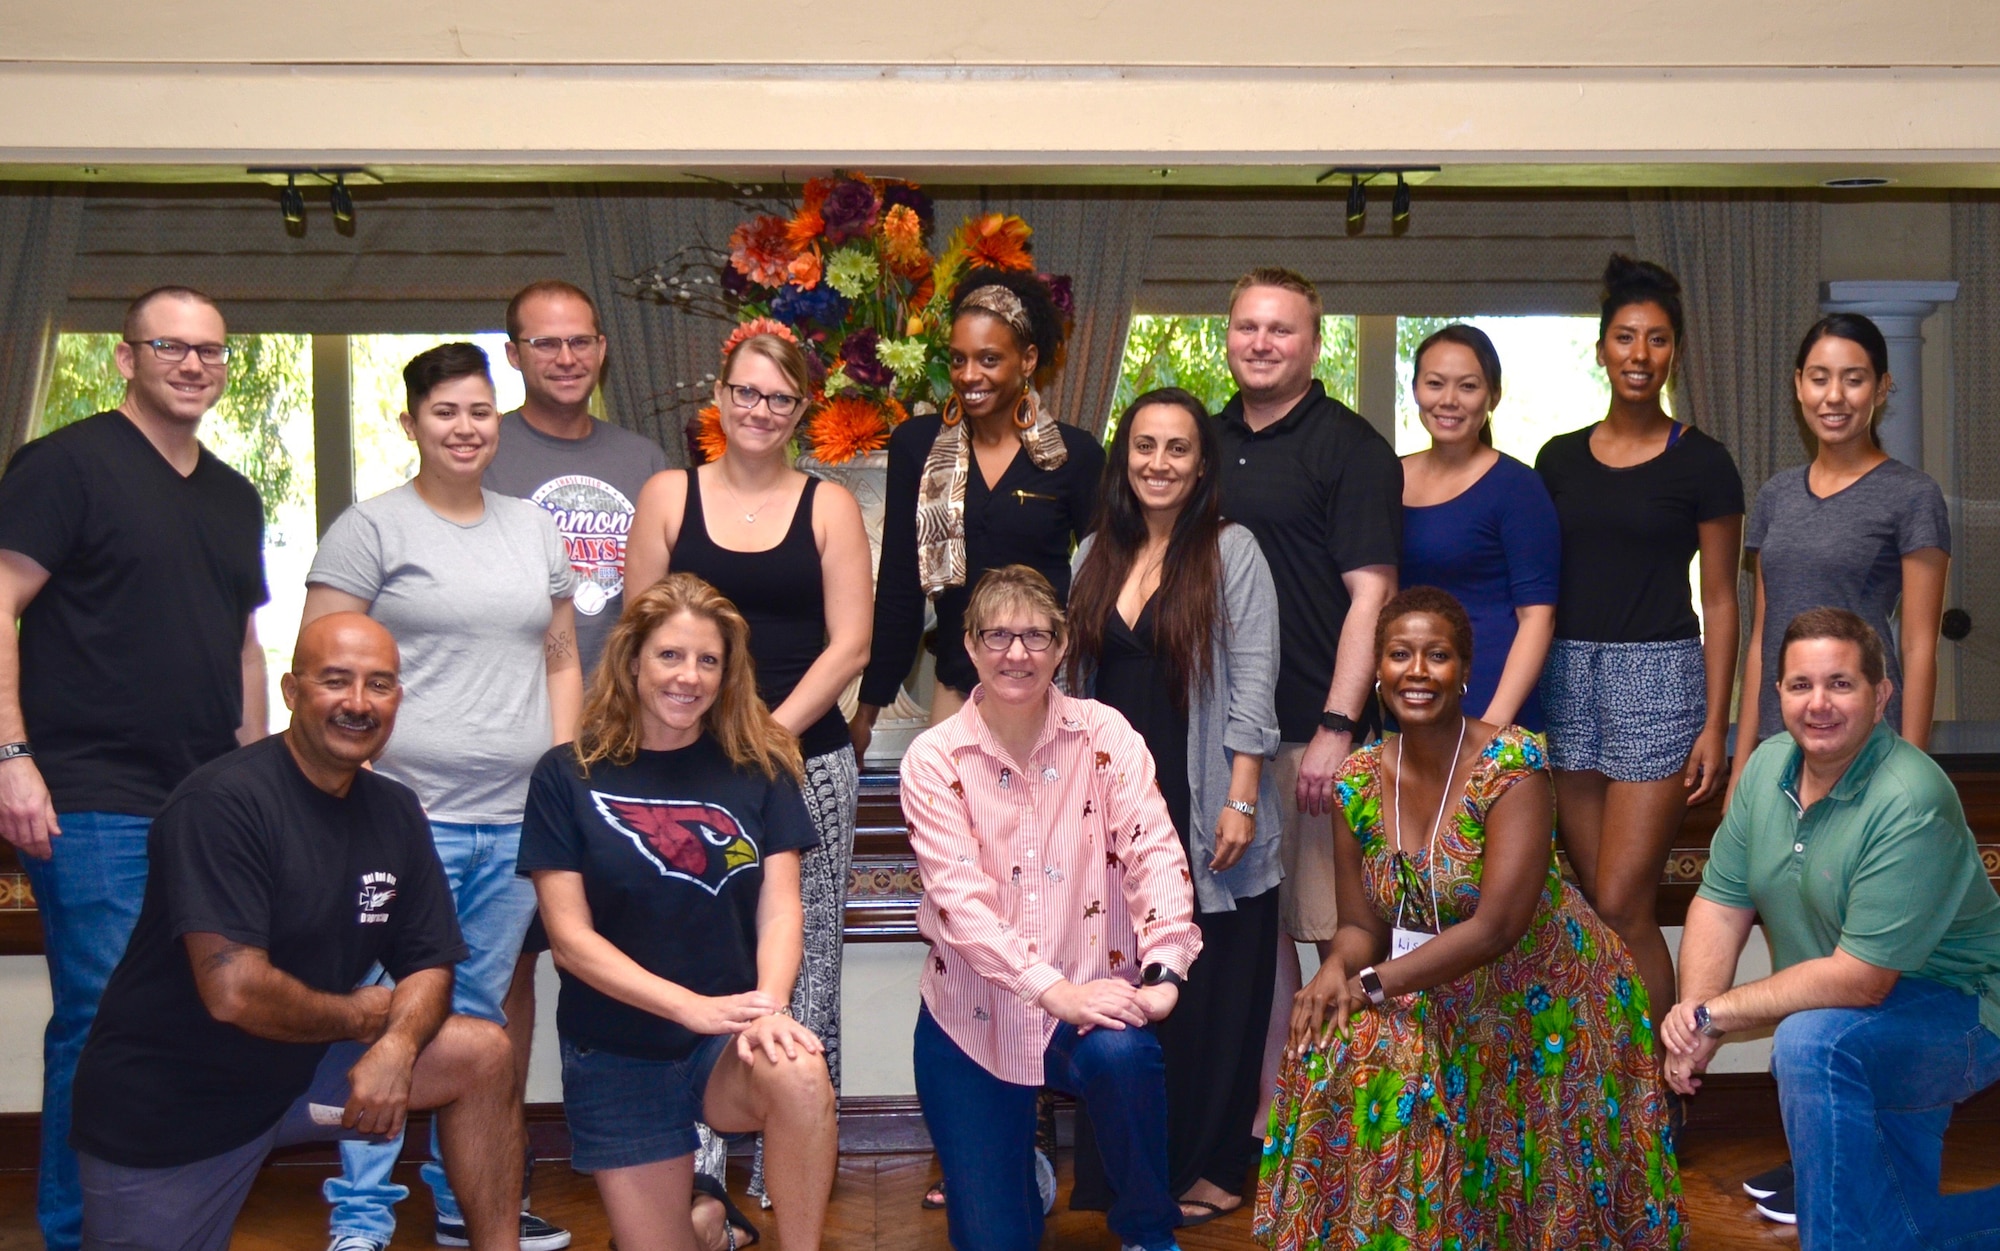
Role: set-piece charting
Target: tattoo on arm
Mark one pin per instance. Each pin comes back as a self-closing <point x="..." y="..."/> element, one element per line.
<point x="559" y="646"/>
<point x="222" y="958"/>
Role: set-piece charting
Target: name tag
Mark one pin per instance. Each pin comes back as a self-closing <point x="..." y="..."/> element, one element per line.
<point x="1402" y="942"/>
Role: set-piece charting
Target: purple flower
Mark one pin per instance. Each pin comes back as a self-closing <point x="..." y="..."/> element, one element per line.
<point x="849" y="211"/>
<point x="1060" y="294"/>
<point x="857" y="354"/>
<point x="733" y="281"/>
<point x="822" y="306"/>
<point x="917" y="202"/>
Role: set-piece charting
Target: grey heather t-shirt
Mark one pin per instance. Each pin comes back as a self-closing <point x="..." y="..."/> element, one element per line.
<point x="469" y="606"/>
<point x="1844" y="551"/>
<point x="591" y="487"/>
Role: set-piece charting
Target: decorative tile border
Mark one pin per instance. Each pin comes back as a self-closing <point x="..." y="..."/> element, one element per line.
<point x="15" y="893"/>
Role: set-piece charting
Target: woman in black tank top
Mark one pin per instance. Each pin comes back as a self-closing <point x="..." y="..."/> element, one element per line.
<point x="808" y="598"/>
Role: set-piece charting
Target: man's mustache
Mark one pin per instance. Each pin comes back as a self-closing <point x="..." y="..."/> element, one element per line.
<point x="358" y="723"/>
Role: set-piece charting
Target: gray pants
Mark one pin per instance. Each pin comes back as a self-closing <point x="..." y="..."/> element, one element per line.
<point x="193" y="1207"/>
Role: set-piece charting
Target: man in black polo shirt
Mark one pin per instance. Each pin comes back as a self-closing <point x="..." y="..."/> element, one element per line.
<point x="133" y="560"/>
<point x="1323" y="493"/>
<point x="245" y="1014"/>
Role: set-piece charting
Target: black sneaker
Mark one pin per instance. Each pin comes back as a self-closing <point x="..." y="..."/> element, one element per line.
<point x="536" y="1234"/>
<point x="1769" y="1182"/>
<point x="1780" y="1207"/>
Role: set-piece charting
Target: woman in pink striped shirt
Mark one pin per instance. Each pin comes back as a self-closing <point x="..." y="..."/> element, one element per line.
<point x="1059" y="912"/>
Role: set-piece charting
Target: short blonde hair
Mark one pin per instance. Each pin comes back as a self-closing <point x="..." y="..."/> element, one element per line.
<point x="1013" y="587"/>
<point x="1285" y="280"/>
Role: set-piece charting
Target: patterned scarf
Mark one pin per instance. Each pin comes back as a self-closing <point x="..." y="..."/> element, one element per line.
<point x="941" y="491"/>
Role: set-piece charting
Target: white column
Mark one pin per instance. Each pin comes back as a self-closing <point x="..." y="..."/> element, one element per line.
<point x="1899" y="308"/>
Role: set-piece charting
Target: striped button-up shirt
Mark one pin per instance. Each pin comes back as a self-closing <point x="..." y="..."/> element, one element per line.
<point x="1061" y="866"/>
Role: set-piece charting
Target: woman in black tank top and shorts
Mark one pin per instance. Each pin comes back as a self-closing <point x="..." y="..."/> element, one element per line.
<point x="791" y="553"/>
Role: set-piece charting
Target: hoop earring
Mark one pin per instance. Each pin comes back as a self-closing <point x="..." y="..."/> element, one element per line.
<point x="1024" y="413"/>
<point x="953" y="413"/>
<point x="1464" y="689"/>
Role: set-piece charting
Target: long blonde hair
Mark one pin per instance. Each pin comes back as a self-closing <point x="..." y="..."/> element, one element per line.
<point x="738" y="720"/>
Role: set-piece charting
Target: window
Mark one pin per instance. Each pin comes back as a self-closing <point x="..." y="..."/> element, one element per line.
<point x="1550" y="382"/>
<point x="1188" y="352"/>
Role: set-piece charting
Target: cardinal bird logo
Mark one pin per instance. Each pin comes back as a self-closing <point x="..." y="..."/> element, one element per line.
<point x="687" y="839"/>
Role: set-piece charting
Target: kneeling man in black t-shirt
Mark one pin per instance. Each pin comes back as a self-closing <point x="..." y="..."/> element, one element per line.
<point x="282" y="875"/>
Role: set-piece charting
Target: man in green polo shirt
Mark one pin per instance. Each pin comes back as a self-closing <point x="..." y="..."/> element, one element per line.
<point x="1851" y="847"/>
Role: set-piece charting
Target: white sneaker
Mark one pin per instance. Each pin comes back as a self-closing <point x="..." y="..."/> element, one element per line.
<point x="354" y="1242"/>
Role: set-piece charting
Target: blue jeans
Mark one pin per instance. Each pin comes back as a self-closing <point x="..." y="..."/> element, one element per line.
<point x="89" y="893"/>
<point x="494" y="908"/>
<point x="1867" y="1093"/>
<point x="984" y="1132"/>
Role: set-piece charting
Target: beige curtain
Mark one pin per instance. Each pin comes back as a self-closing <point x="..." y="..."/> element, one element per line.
<point x="1748" y="263"/>
<point x="38" y="228"/>
<point x="662" y="361"/>
<point x="1974" y="488"/>
<point x="1103" y="239"/>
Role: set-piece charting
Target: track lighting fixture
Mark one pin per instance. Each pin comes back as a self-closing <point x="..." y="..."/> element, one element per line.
<point x="342" y="201"/>
<point x="1359" y="176"/>
<point x="292" y="203"/>
<point x="1399" y="208"/>
<point x="1357" y="204"/>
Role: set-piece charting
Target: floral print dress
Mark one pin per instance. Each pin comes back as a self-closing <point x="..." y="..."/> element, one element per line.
<point x="1517" y="1107"/>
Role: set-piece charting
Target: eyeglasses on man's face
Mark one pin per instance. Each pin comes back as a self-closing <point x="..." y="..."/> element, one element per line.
<point x="173" y="351"/>
<point x="553" y="344"/>
<point x="1001" y="640"/>
<point x="781" y="404"/>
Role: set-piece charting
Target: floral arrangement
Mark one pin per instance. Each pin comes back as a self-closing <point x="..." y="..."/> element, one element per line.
<point x="848" y="273"/>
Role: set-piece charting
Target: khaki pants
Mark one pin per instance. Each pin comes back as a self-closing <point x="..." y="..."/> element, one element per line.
<point x="1307" y="910"/>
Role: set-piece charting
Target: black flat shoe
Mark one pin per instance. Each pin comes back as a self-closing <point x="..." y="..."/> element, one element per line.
<point x="1769" y="1182"/>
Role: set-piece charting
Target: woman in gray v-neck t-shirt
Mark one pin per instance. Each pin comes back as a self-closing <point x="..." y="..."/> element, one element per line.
<point x="1842" y="551"/>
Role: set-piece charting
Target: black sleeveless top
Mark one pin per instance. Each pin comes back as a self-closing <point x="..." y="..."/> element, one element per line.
<point x="780" y="593"/>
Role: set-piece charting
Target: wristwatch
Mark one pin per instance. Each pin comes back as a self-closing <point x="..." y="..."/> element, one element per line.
<point x="1339" y="723"/>
<point x="1157" y="973"/>
<point x="1371" y="986"/>
<point x="1703" y="1026"/>
<point x="9" y="751"/>
<point x="1237" y="805"/>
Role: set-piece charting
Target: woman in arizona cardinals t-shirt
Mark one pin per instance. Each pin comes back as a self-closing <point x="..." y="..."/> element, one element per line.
<point x="664" y="845"/>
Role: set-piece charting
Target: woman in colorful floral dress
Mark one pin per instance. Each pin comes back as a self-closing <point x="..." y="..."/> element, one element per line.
<point x="1474" y="1065"/>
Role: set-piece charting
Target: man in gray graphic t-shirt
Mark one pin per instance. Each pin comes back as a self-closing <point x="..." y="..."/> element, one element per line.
<point x="586" y="473"/>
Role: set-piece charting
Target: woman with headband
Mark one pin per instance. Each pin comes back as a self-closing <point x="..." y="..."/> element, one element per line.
<point x="993" y="480"/>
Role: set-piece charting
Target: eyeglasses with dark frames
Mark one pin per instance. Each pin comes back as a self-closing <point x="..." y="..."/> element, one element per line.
<point x="552" y="345"/>
<point x="781" y="404"/>
<point x="1001" y="640"/>
<point x="173" y="351"/>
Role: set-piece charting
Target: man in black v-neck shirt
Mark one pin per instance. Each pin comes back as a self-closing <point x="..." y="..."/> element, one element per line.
<point x="245" y="1015"/>
<point x="133" y="560"/>
<point x="1323" y="493"/>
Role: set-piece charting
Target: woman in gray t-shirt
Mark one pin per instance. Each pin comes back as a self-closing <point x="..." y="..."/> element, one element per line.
<point x="1853" y="529"/>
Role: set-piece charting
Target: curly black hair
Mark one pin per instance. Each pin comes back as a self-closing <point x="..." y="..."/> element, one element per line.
<point x="1044" y="319"/>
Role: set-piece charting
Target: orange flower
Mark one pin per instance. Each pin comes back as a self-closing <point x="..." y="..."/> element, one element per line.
<point x="759" y="251"/>
<point x="848" y="427"/>
<point x="804" y="270"/>
<point x="902" y="234"/>
<point x="815" y="194"/>
<point x="708" y="434"/>
<point x="756" y="325"/>
<point x="804" y="227"/>
<point x="893" y="412"/>
<point x="999" y="241"/>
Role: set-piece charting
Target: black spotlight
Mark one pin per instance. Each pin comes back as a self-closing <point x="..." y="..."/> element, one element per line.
<point x="1357" y="204"/>
<point x="1399" y="209"/>
<point x="293" y="204"/>
<point x="342" y="201"/>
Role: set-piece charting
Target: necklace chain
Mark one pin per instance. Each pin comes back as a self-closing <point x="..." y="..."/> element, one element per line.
<point x="750" y="516"/>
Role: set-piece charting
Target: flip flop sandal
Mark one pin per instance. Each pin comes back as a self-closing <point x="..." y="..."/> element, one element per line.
<point x="1189" y="1222"/>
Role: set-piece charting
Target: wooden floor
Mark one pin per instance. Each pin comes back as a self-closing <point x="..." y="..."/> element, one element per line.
<point x="875" y="1203"/>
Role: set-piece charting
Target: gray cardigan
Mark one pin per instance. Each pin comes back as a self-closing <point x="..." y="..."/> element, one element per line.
<point x="1237" y="712"/>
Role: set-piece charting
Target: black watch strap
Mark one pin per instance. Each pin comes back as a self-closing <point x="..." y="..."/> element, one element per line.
<point x="9" y="751"/>
<point x="1157" y="974"/>
<point x="1339" y="723"/>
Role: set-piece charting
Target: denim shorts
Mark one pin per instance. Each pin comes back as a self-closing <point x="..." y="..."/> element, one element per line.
<point x="1630" y="711"/>
<point x="624" y="1111"/>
